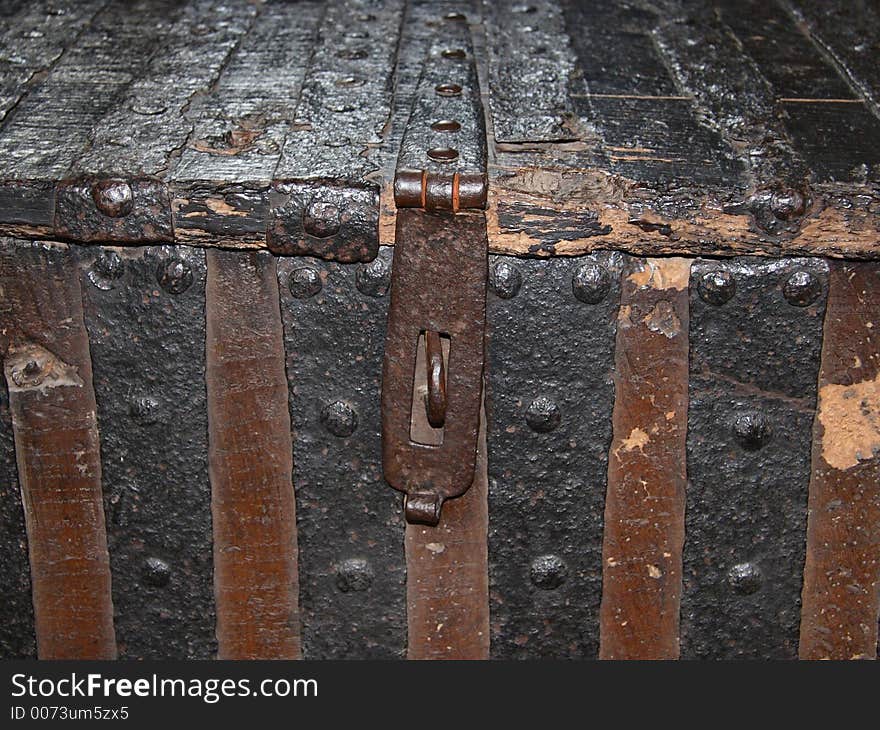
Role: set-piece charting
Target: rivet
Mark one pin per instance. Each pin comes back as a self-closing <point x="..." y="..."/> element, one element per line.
<point x="543" y="415"/>
<point x="505" y="280"/>
<point x="106" y="270"/>
<point x="321" y="219"/>
<point x="30" y="374"/>
<point x="339" y="418"/>
<point x="787" y="204"/>
<point x="548" y="572"/>
<point x="145" y="410"/>
<point x="752" y="430"/>
<point x="148" y="107"/>
<point x="716" y="287"/>
<point x="354" y="575"/>
<point x="174" y="275"/>
<point x="801" y="288"/>
<point x="455" y="16"/>
<point x="350" y="81"/>
<point x="113" y="197"/>
<point x="352" y="54"/>
<point x="745" y="578"/>
<point x="443" y="154"/>
<point x="590" y="282"/>
<point x="446" y="125"/>
<point x="527" y="9"/>
<point x="374" y="278"/>
<point x="157" y="572"/>
<point x="343" y="108"/>
<point x="448" y="89"/>
<point x="304" y="282"/>
<point x="365" y="18"/>
<point x="454" y="53"/>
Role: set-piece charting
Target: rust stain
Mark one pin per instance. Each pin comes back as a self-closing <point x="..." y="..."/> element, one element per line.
<point x="850" y="416"/>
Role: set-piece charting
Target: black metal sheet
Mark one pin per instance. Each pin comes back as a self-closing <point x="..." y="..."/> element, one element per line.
<point x="17" y="638"/>
<point x="145" y="314"/>
<point x="755" y="339"/>
<point x="349" y="522"/>
<point x="552" y="326"/>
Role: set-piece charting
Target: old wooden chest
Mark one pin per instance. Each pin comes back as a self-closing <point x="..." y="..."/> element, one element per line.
<point x="439" y="329"/>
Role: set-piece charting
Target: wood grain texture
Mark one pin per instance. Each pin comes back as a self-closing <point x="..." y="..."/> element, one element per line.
<point x="48" y="370"/>
<point x="841" y="596"/>
<point x="447" y="575"/>
<point x="250" y="461"/>
<point x="644" y="506"/>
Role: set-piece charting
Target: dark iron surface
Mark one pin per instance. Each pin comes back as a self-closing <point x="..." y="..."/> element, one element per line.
<point x="145" y="314"/>
<point x="756" y="334"/>
<point x="349" y="523"/>
<point x="552" y="326"/>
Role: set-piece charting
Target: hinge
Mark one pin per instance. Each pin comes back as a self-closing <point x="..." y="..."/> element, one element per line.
<point x="432" y="382"/>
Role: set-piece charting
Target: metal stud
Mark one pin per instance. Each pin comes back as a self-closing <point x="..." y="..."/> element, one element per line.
<point x="339" y="418"/>
<point x="354" y="575"/>
<point x="113" y="198"/>
<point x="304" y="282"/>
<point x="801" y="288"/>
<point x="590" y="282"/>
<point x="543" y="415"/>
<point x="505" y="280"/>
<point x="548" y="572"/>
<point x="174" y="275"/>
<point x="716" y="287"/>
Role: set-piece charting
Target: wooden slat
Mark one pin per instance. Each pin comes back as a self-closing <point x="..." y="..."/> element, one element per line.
<point x="151" y="122"/>
<point x="447" y="575"/>
<point x="238" y="127"/>
<point x="34" y="37"/>
<point x="250" y="461"/>
<point x="841" y="597"/>
<point x="48" y="369"/>
<point x="644" y="507"/>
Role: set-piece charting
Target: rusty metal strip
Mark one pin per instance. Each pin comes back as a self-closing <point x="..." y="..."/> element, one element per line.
<point x="144" y="310"/>
<point x="250" y="461"/>
<point x="755" y="338"/>
<point x="442" y="159"/>
<point x="350" y="526"/>
<point x="644" y="506"/>
<point x="438" y="285"/>
<point x="48" y="370"/>
<point x="447" y="576"/>
<point x="551" y="359"/>
<point x="841" y="597"/>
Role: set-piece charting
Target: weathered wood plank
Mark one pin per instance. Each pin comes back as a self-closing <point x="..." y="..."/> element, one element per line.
<point x="530" y="64"/>
<point x="250" y="461"/>
<point x="346" y="96"/>
<point x="830" y="124"/>
<point x="841" y="597"/>
<point x="144" y="310"/>
<point x="48" y="370"/>
<point x="447" y="575"/>
<point x="239" y="124"/>
<point x="33" y="37"/>
<point x="847" y="32"/>
<point x="644" y="506"/>
<point x="152" y="120"/>
<point x="50" y="128"/>
<point x="17" y="640"/>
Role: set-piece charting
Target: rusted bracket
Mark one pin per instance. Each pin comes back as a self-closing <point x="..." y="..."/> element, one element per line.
<point x="438" y="291"/>
<point x="332" y="222"/>
<point x="113" y="209"/>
